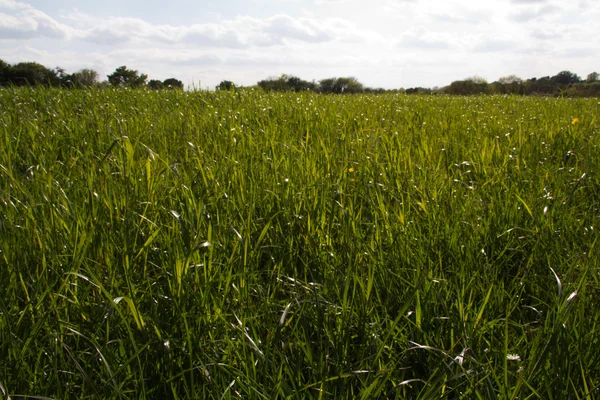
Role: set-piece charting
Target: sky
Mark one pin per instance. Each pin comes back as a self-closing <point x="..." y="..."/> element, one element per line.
<point x="382" y="43"/>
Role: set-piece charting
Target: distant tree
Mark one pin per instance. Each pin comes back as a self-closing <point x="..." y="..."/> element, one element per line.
<point x="418" y="90"/>
<point x="225" y="85"/>
<point x="30" y="74"/>
<point x="287" y="83"/>
<point x="467" y="87"/>
<point x="477" y="80"/>
<point x="61" y="74"/>
<point x="172" y="83"/>
<point x="510" y="79"/>
<point x="4" y="72"/>
<point x="340" y="85"/>
<point x="299" y="85"/>
<point x="348" y="85"/>
<point x="269" y="84"/>
<point x="81" y="79"/>
<point x="510" y="84"/>
<point x="587" y="89"/>
<point x="540" y="86"/>
<point x="566" y="78"/>
<point x="155" y="84"/>
<point x="327" y="85"/>
<point x="279" y="84"/>
<point x="376" y="90"/>
<point x="593" y="77"/>
<point x="127" y="77"/>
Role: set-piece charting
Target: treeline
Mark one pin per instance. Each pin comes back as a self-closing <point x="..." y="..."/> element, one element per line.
<point x="34" y="74"/>
<point x="344" y="85"/>
<point x="565" y="83"/>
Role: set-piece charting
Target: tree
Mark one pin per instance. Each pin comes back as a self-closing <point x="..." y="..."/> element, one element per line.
<point x="155" y="84"/>
<point x="127" y="77"/>
<point x="467" y="87"/>
<point x="543" y="85"/>
<point x="348" y="85"/>
<point x="299" y="85"/>
<point x="81" y="79"/>
<point x="31" y="74"/>
<point x="61" y="74"/>
<point x="85" y="77"/>
<point x="327" y="85"/>
<point x="225" y="85"/>
<point x="340" y="85"/>
<point x="478" y="80"/>
<point x="172" y="83"/>
<point x="287" y="83"/>
<point x="593" y="77"/>
<point x="4" y="72"/>
<point x="566" y="78"/>
<point x="510" y="84"/>
<point x="510" y="79"/>
<point x="419" y="90"/>
<point x="276" y="84"/>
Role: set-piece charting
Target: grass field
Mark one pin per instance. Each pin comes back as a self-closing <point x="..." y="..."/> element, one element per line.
<point x="258" y="246"/>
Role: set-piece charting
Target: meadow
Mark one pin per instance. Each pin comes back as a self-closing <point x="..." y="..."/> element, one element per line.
<point x="216" y="245"/>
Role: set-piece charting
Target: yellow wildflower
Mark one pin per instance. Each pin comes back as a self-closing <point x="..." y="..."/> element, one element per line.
<point x="351" y="170"/>
<point x="575" y="121"/>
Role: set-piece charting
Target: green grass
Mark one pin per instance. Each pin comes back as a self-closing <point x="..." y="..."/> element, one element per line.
<point x="251" y="245"/>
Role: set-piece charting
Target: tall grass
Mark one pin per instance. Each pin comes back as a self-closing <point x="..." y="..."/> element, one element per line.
<point x="251" y="245"/>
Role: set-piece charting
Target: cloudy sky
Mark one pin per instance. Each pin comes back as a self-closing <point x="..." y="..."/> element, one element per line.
<point x="383" y="43"/>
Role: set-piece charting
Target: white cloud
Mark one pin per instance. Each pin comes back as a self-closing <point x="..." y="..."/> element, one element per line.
<point x="454" y="18"/>
<point x="241" y="32"/>
<point x="529" y="1"/>
<point x="494" y="45"/>
<point x="24" y="22"/>
<point x="13" y="5"/>
<point x="530" y="14"/>
<point x="424" y="40"/>
<point x="332" y="1"/>
<point x="581" y="52"/>
<point x="546" y="34"/>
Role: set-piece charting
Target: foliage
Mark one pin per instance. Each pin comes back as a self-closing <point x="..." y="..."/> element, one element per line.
<point x="565" y="83"/>
<point x="4" y="72"/>
<point x="155" y="84"/>
<point x="172" y="83"/>
<point x="247" y="244"/>
<point x="467" y="87"/>
<point x="593" y="77"/>
<point x="419" y="90"/>
<point x="124" y="77"/>
<point x="225" y="85"/>
<point x="541" y="86"/>
<point x="33" y="74"/>
<point x="566" y="78"/>
<point x="28" y="74"/>
<point x="286" y="83"/>
<point x="479" y="80"/>
<point x="510" y="80"/>
<point x="340" y="85"/>
<point x="81" y="79"/>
